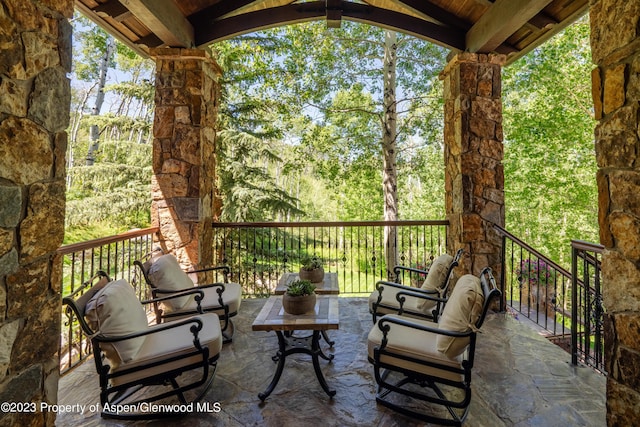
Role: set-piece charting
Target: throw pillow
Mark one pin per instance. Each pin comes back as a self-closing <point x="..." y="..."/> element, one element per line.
<point x="165" y="273"/>
<point x="461" y="313"/>
<point x="115" y="311"/>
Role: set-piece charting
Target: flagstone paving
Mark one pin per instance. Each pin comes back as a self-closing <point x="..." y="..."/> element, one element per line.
<point x="519" y="379"/>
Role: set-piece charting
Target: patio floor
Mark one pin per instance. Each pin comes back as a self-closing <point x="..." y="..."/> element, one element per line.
<point x="519" y="379"/>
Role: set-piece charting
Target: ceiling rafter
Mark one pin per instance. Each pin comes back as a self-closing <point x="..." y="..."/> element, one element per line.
<point x="165" y="20"/>
<point x="210" y="14"/>
<point x="511" y="27"/>
<point x="432" y="11"/>
<point x="267" y="18"/>
<point x="302" y="12"/>
<point x="398" y="21"/>
<point x="502" y="19"/>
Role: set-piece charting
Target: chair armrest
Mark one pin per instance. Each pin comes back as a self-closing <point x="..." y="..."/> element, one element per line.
<point x="383" y="283"/>
<point x="425" y="294"/>
<point x="407" y="322"/>
<point x="197" y="326"/>
<point x="173" y="294"/>
<point x="402" y="295"/>
<point x="397" y="270"/>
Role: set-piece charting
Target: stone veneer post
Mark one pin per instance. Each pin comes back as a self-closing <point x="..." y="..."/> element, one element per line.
<point x="183" y="153"/>
<point x="474" y="174"/>
<point x="35" y="57"/>
<point x="615" y="49"/>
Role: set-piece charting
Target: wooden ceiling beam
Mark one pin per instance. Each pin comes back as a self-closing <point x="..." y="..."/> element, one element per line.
<point x="317" y="10"/>
<point x="502" y="19"/>
<point x="432" y="11"/>
<point x="439" y="34"/>
<point x="165" y="20"/>
<point x="114" y="9"/>
<point x="259" y="20"/>
<point x="105" y="25"/>
<point x="334" y="13"/>
<point x="210" y="14"/>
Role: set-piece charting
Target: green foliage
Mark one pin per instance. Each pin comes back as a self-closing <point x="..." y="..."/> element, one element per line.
<point x="310" y="263"/>
<point x="113" y="194"/>
<point x="299" y="288"/>
<point x="549" y="155"/>
<point x="319" y="91"/>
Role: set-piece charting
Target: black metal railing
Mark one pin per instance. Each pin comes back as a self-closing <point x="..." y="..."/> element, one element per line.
<point x="567" y="306"/>
<point x="587" y="334"/>
<point x="259" y="253"/>
<point x="535" y="287"/>
<point x="80" y="262"/>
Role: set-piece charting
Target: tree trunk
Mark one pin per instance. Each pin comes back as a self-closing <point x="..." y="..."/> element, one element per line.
<point x="94" y="131"/>
<point x="389" y="174"/>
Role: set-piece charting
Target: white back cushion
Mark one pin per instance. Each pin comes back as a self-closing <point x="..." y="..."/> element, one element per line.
<point x="115" y="311"/>
<point x="165" y="273"/>
<point x="435" y="278"/>
<point x="462" y="311"/>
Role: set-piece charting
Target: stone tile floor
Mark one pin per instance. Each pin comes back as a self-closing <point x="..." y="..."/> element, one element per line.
<point x="519" y="379"/>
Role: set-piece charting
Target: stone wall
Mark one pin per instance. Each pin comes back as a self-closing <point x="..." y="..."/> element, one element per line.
<point x="35" y="55"/>
<point x="184" y="153"/>
<point x="474" y="175"/>
<point x="615" y="46"/>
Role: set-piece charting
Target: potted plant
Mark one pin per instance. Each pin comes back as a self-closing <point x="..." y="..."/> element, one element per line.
<point x="300" y="297"/>
<point x="311" y="269"/>
<point x="535" y="273"/>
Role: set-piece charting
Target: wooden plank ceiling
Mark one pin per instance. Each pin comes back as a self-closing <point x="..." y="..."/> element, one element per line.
<point x="511" y="27"/>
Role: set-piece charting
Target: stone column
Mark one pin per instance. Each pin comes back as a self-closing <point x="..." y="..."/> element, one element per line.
<point x="473" y="152"/>
<point x="615" y="47"/>
<point x="183" y="153"/>
<point x="35" y="55"/>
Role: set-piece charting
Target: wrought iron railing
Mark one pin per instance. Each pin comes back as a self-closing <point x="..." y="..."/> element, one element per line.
<point x="80" y="262"/>
<point x="567" y="306"/>
<point x="587" y="335"/>
<point x="259" y="253"/>
<point x="535" y="287"/>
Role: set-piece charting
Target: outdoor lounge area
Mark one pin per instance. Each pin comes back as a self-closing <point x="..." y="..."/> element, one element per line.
<point x="519" y="379"/>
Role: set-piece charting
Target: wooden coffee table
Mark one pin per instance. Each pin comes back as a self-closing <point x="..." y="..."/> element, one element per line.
<point x="329" y="285"/>
<point x="273" y="318"/>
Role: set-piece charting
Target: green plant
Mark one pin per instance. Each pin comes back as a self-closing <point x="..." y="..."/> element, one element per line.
<point x="310" y="263"/>
<point x="535" y="272"/>
<point x="300" y="288"/>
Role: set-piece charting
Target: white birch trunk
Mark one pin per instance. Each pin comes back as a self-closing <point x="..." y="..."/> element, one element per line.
<point x="389" y="173"/>
<point x="94" y="132"/>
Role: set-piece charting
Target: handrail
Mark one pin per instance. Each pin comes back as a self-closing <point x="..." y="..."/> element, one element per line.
<point x="90" y="244"/>
<point x="114" y="255"/>
<point x="531" y="250"/>
<point x="326" y="223"/>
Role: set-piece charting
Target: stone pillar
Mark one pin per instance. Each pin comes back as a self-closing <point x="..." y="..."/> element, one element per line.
<point x="473" y="152"/>
<point x="616" y="94"/>
<point x="183" y="183"/>
<point x="35" y="56"/>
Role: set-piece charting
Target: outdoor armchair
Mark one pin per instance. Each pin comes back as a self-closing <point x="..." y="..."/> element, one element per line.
<point x="385" y="299"/>
<point x="164" y="276"/>
<point x="136" y="361"/>
<point x="411" y="356"/>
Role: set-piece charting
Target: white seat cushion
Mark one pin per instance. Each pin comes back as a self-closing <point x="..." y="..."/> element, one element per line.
<point x="232" y="296"/>
<point x="172" y="343"/>
<point x="115" y="311"/>
<point x="421" y="345"/>
<point x="165" y="273"/>
<point x="460" y="314"/>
